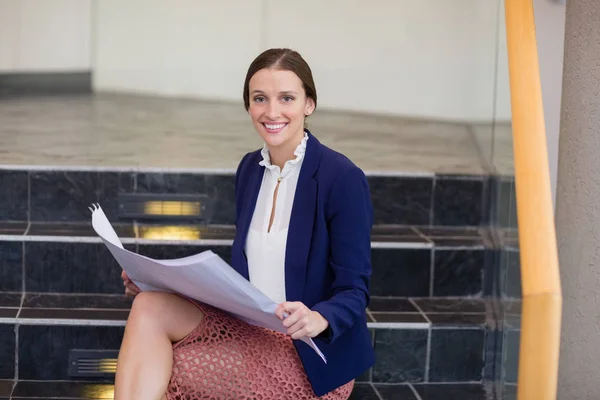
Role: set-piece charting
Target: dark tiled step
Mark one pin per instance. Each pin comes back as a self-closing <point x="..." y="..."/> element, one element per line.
<point x="58" y="264"/>
<point x="362" y="391"/>
<point x="456" y="350"/>
<point x="64" y="195"/>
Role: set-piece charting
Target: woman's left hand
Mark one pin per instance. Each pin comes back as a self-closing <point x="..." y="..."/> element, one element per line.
<point x="300" y="320"/>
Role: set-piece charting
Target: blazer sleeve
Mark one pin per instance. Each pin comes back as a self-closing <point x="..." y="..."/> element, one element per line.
<point x="238" y="174"/>
<point x="350" y="224"/>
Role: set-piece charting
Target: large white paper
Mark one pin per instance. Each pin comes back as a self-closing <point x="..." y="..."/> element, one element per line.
<point x="204" y="277"/>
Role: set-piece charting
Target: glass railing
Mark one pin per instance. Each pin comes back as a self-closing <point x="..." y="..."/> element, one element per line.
<point x="530" y="282"/>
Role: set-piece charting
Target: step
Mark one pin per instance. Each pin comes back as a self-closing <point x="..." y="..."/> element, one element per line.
<point x="408" y="261"/>
<point x="440" y="341"/>
<point x="64" y="194"/>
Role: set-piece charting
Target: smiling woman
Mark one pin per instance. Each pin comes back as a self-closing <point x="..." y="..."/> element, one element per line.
<point x="279" y="93"/>
<point x="303" y="225"/>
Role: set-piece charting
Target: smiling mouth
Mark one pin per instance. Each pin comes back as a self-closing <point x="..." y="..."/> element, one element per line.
<point x="274" y="128"/>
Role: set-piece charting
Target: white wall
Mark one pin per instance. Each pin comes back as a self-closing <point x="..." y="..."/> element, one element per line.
<point x="426" y="58"/>
<point x="550" y="32"/>
<point x="45" y="36"/>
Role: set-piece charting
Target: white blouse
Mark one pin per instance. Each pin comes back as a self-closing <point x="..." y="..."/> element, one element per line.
<point x="266" y="249"/>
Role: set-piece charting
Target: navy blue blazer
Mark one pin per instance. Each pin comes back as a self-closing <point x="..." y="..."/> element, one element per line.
<point x="327" y="260"/>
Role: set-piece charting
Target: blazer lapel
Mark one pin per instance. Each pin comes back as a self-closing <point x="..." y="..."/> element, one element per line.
<point x="302" y="222"/>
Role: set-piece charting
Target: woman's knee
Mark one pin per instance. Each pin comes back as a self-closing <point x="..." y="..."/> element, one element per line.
<point x="164" y="313"/>
<point x="147" y="308"/>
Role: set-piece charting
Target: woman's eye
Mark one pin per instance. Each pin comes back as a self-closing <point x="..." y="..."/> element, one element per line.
<point x="287" y="98"/>
<point x="259" y="99"/>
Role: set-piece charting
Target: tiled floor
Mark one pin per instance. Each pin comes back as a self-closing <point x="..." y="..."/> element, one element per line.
<point x="362" y="391"/>
<point x="116" y="130"/>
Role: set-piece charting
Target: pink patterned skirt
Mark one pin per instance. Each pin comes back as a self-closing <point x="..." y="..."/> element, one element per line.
<point x="225" y="358"/>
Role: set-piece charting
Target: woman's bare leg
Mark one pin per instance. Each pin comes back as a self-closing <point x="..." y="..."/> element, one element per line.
<point x="146" y="357"/>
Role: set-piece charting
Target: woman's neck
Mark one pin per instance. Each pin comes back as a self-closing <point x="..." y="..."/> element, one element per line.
<point x="282" y="154"/>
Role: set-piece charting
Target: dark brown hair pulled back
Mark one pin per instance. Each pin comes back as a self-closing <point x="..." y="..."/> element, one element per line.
<point x="285" y="60"/>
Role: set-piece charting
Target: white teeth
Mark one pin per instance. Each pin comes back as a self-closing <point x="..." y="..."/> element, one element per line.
<point x="275" y="127"/>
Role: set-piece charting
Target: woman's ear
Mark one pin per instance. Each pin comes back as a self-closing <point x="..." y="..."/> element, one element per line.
<point x="310" y="107"/>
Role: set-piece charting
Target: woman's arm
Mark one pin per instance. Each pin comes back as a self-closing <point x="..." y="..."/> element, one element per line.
<point x="351" y="214"/>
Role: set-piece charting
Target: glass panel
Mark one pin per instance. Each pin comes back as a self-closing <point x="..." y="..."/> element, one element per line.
<point x="505" y="225"/>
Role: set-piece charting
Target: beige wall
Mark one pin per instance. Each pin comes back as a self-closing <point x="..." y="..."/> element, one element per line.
<point x="427" y="58"/>
<point x="550" y="32"/>
<point x="578" y="204"/>
<point x="43" y="36"/>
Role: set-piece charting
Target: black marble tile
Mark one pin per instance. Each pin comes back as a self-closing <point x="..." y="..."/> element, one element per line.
<point x="12" y="227"/>
<point x="67" y="390"/>
<point x="10" y="299"/>
<point x="11" y="266"/>
<point x="492" y="371"/>
<point x="400" y="272"/>
<point x="505" y="203"/>
<point x="7" y="351"/>
<point x="451" y="243"/>
<point x="401" y="200"/>
<point x="6" y="387"/>
<point x="170" y="183"/>
<point x="110" y="184"/>
<point x="67" y="267"/>
<point x="396" y="234"/>
<point x="448" y="232"/>
<point x="390" y="304"/>
<point x="400" y="355"/>
<point x="221" y="191"/>
<point x="509" y="392"/>
<point x="363" y="391"/>
<point x="457" y="355"/>
<point x="69" y="301"/>
<point x="511" y="273"/>
<point x="63" y="195"/>
<point x="491" y="273"/>
<point x="407" y="318"/>
<point x="465" y="391"/>
<point x="44" y="350"/>
<point x="457" y="319"/>
<point x="171" y="251"/>
<point x="511" y="349"/>
<point x="458" y="273"/>
<point x="8" y="312"/>
<point x="44" y="313"/>
<point x="14" y="195"/>
<point x="451" y="305"/>
<point x="84" y="229"/>
<point x="395" y="392"/>
<point x="458" y="201"/>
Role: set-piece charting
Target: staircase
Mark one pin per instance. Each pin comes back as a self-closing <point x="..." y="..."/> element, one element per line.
<point x="438" y="314"/>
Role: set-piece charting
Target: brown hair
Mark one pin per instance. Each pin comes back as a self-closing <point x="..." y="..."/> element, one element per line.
<point x="284" y="60"/>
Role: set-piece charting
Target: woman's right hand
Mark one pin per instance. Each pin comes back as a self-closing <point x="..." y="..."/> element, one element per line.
<point x="131" y="288"/>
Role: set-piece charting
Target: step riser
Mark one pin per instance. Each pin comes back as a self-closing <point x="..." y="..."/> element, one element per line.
<point x="66" y="195"/>
<point x="71" y="267"/>
<point x="403" y="355"/>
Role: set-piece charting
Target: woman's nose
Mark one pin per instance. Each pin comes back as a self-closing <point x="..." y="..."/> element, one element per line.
<point x="273" y="111"/>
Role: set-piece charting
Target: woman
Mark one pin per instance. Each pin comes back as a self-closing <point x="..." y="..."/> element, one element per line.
<point x="303" y="219"/>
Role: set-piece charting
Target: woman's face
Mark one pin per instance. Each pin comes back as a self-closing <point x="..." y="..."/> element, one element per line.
<point x="278" y="106"/>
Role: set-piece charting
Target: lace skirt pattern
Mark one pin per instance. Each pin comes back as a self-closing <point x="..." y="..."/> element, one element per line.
<point x="225" y="358"/>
